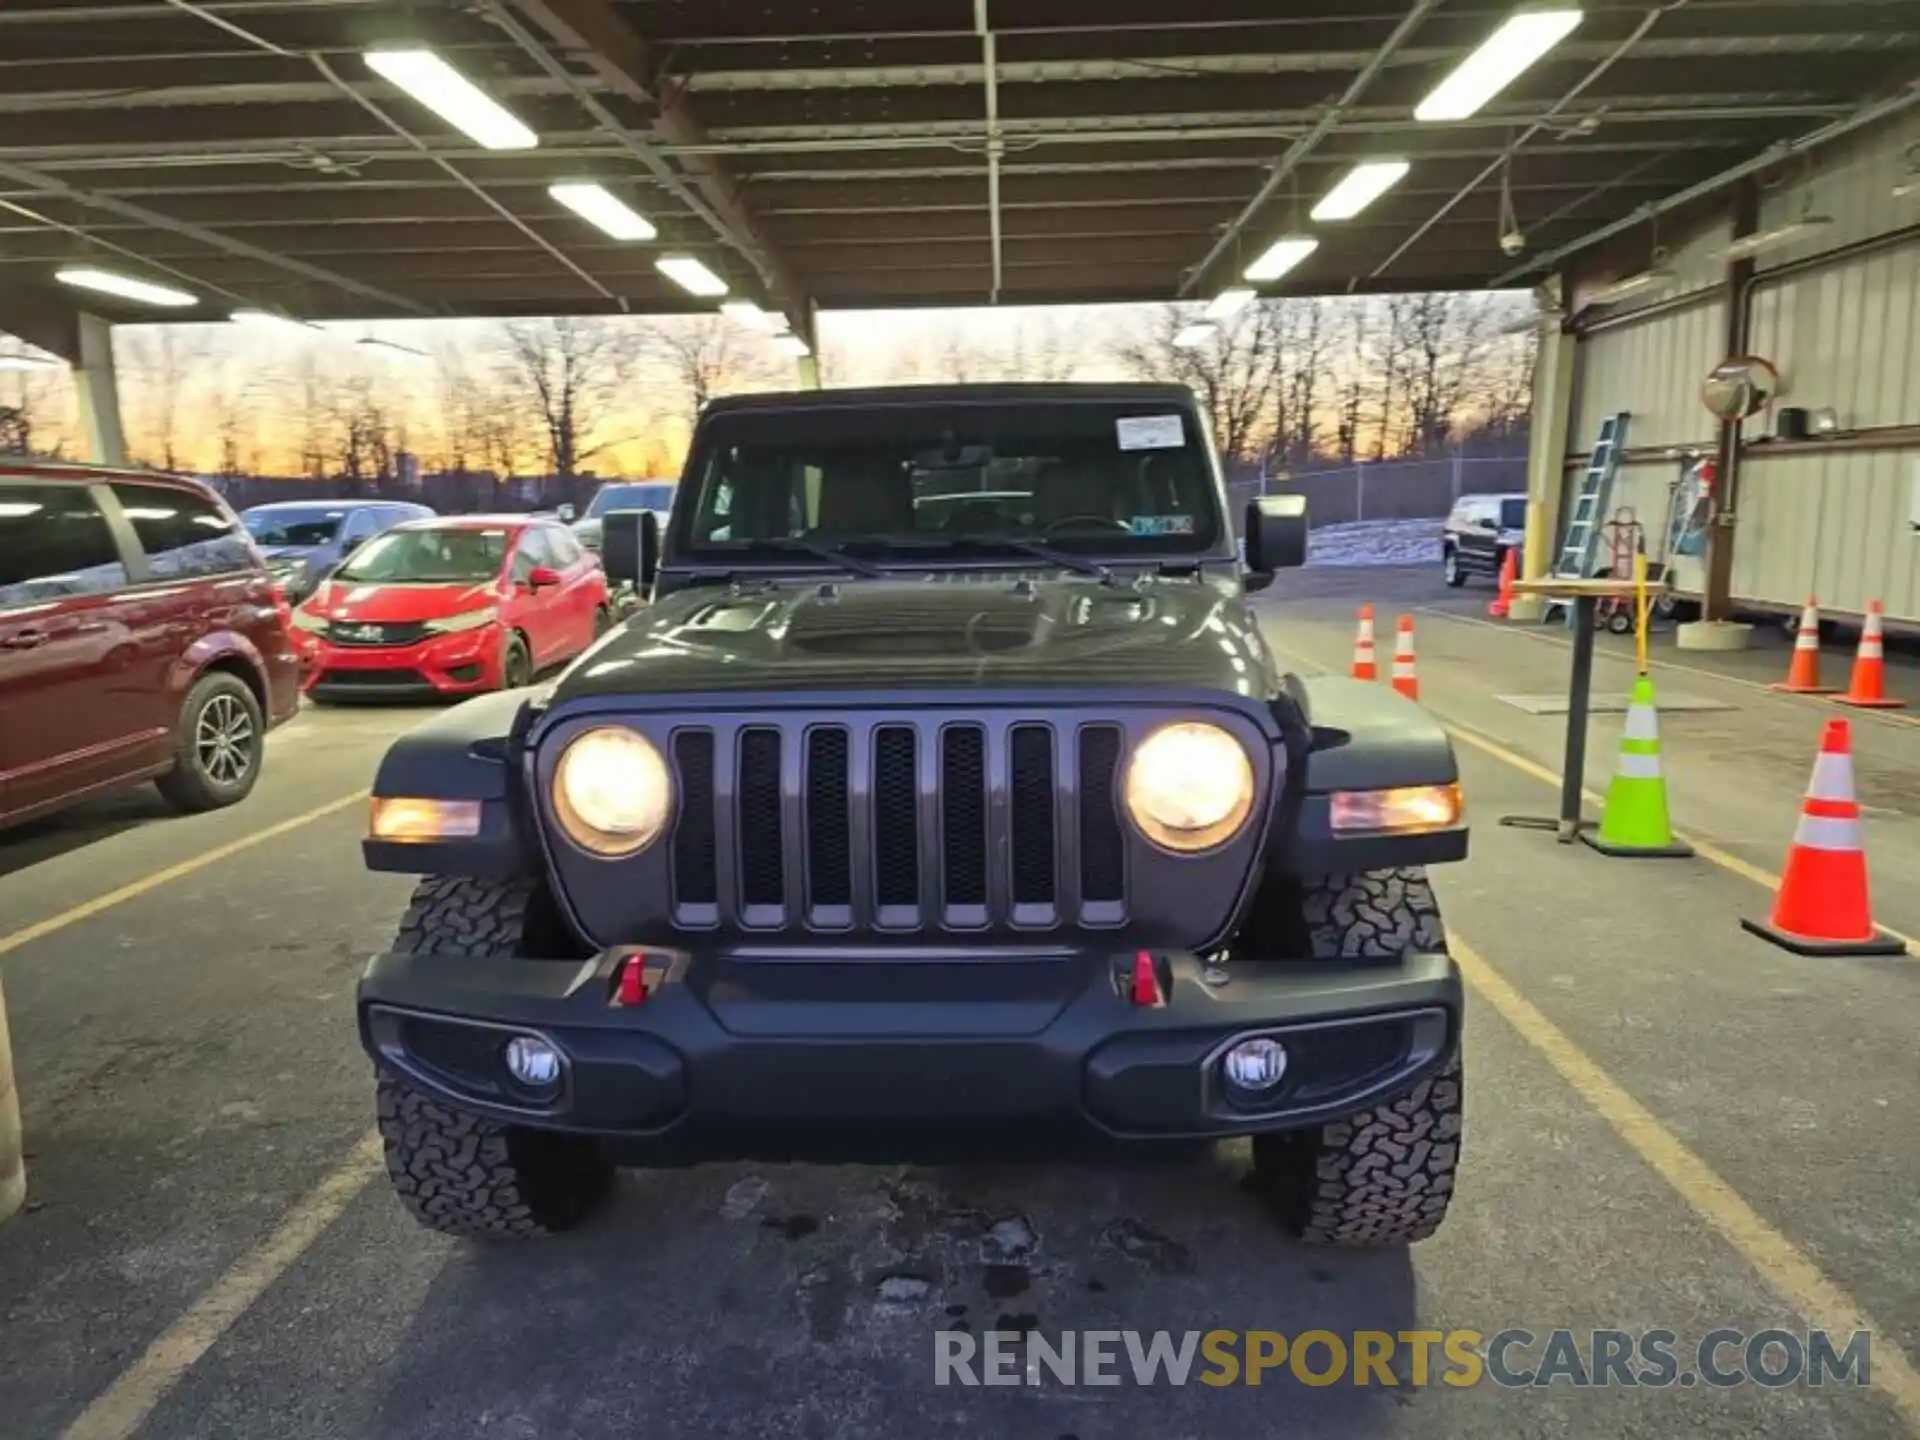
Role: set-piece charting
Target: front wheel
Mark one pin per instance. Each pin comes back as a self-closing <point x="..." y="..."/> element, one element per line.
<point x="516" y="667"/>
<point x="1384" y="1176"/>
<point x="218" y="744"/>
<point x="459" y="1173"/>
<point x="1450" y="568"/>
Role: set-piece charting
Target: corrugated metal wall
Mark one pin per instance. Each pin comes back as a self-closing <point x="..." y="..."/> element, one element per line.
<point x="1845" y="337"/>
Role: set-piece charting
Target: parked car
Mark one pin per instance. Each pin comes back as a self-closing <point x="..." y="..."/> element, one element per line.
<point x="654" y="495"/>
<point x="451" y="607"/>
<point x="304" y="539"/>
<point x="1478" y="534"/>
<point x="140" y="639"/>
<point x="909" y="837"/>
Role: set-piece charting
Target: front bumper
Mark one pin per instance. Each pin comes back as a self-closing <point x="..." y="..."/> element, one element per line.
<point x="465" y="663"/>
<point x="725" y="1043"/>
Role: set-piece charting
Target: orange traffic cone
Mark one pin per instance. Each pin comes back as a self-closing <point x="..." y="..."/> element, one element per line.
<point x="1823" y="907"/>
<point x="1803" y="675"/>
<point x="1363" y="666"/>
<point x="1405" y="678"/>
<point x="1509" y="566"/>
<point x="1868" y="688"/>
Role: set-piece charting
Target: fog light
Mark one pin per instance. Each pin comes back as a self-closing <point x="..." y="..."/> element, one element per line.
<point x="1253" y="1068"/>
<point x="533" y="1063"/>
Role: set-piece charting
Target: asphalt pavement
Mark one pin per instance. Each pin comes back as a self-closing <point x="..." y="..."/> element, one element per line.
<point x="1670" y="1124"/>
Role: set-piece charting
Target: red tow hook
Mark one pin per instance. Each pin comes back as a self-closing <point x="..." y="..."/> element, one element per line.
<point x="1145" y="988"/>
<point x="631" y="987"/>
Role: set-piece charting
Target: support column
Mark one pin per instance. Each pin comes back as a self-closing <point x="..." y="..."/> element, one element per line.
<point x="1552" y="413"/>
<point x="97" y="387"/>
<point x="806" y="372"/>
<point x="13" y="1165"/>
<point x="1724" y="503"/>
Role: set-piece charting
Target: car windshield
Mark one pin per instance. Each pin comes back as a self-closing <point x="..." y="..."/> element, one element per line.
<point x="1513" y="514"/>
<point x="316" y="525"/>
<point x="437" y="556"/>
<point x="650" y="495"/>
<point x="1117" y="479"/>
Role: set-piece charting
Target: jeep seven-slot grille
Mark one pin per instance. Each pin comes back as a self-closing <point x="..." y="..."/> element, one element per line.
<point x="898" y="826"/>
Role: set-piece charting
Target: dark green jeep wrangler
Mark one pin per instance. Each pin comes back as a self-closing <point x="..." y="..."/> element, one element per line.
<point x="946" y="795"/>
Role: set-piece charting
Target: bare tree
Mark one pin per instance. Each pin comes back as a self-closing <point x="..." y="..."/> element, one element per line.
<point x="1234" y="374"/>
<point x="36" y="412"/>
<point x="1042" y="351"/>
<point x="576" y="370"/>
<point x="165" y="363"/>
<point x="232" y="407"/>
<point x="709" y="357"/>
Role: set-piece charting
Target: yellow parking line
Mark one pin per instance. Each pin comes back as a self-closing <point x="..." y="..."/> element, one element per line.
<point x="86" y="910"/>
<point x="121" y="1409"/>
<point x="1824" y="1304"/>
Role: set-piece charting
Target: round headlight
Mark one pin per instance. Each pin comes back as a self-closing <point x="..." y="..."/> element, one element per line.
<point x="611" y="791"/>
<point x="1190" y="786"/>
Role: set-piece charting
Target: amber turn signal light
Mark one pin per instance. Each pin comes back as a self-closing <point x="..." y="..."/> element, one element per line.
<point x="408" y="820"/>
<point x="1411" y="810"/>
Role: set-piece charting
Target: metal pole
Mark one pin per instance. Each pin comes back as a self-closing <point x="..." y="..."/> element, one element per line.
<point x="13" y="1163"/>
<point x="1359" y="490"/>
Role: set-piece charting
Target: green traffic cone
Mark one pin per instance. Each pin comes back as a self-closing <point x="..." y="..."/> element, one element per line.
<point x="1634" y="821"/>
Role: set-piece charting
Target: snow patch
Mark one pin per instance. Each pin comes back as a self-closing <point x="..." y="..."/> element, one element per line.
<point x="1376" y="542"/>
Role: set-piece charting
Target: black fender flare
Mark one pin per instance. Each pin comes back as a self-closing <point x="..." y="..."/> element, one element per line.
<point x="1365" y="736"/>
<point x="470" y="752"/>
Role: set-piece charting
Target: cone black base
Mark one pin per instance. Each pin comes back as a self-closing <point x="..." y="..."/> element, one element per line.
<point x="1879" y="943"/>
<point x="1676" y="851"/>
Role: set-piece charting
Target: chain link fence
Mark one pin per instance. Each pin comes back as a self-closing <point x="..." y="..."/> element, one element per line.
<point x="1387" y="489"/>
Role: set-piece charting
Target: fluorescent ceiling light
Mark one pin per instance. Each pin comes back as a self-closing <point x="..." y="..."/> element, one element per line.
<point x="1280" y="257"/>
<point x="1632" y="285"/>
<point x="745" y="312"/>
<point x="395" y="347"/>
<point x="1748" y="246"/>
<point x="453" y="97"/>
<point x="1506" y="54"/>
<point x="791" y="345"/>
<point x="28" y="362"/>
<point x="598" y="206"/>
<point x="109" y="282"/>
<point x="1230" y="302"/>
<point x="690" y="275"/>
<point x="271" y="320"/>
<point x="1195" y="335"/>
<point x="1359" y="188"/>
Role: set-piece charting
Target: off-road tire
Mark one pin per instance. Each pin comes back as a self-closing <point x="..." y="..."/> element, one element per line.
<point x="464" y="1174"/>
<point x="1451" y="569"/>
<point x="190" y="785"/>
<point x="1384" y="1176"/>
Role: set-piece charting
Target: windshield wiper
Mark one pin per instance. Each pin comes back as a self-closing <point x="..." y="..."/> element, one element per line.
<point x="1059" y="559"/>
<point x="832" y="554"/>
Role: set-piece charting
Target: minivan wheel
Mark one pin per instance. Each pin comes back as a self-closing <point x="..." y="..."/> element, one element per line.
<point x="1456" y="577"/>
<point x="217" y="747"/>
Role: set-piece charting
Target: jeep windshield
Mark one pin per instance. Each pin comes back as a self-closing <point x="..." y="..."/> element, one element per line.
<point x="466" y="555"/>
<point x="1061" y="481"/>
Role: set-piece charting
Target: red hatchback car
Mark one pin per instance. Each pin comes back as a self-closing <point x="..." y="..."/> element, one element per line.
<point x="451" y="606"/>
<point x="140" y="639"/>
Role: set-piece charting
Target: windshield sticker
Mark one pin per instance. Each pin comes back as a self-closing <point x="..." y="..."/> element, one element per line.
<point x="1161" y="525"/>
<point x="1150" y="432"/>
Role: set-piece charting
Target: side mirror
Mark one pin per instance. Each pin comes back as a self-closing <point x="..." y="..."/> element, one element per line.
<point x="630" y="547"/>
<point x="542" y="577"/>
<point x="1276" y="537"/>
<point x="567" y="514"/>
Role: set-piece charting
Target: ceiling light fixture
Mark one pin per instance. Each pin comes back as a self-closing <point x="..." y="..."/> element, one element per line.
<point x="745" y="312"/>
<point x="28" y="362"/>
<point x="1747" y="246"/>
<point x="1359" y="188"/>
<point x="1501" y="59"/>
<point x="690" y="275"/>
<point x="453" y="97"/>
<point x="271" y="320"/>
<point x="1280" y="257"/>
<point x="110" y="282"/>
<point x="791" y="344"/>
<point x="1195" y="335"/>
<point x="1631" y="285"/>
<point x="1230" y="302"/>
<point x="600" y="207"/>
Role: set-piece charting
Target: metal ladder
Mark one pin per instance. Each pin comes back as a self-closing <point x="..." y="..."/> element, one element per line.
<point x="1578" y="545"/>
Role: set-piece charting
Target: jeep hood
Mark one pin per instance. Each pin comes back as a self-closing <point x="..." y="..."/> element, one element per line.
<point x="948" y="631"/>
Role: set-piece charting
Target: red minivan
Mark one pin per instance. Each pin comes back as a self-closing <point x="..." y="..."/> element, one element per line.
<point x="140" y="639"/>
